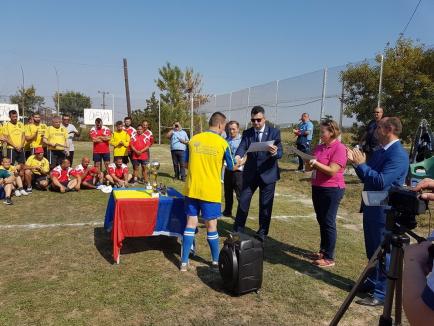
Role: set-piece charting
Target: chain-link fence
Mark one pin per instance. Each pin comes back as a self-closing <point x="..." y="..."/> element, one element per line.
<point x="318" y="93"/>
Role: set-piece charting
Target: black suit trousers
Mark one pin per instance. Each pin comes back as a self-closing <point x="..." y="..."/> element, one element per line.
<point x="266" y="197"/>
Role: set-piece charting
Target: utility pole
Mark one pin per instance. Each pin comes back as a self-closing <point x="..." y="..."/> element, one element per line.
<point x="58" y="93"/>
<point x="127" y="87"/>
<point x="24" y="93"/>
<point x="104" y="93"/>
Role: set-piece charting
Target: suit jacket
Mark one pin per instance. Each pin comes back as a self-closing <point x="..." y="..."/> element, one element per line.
<point x="384" y="170"/>
<point x="261" y="164"/>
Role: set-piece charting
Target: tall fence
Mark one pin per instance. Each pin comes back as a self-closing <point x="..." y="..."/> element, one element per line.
<point x="318" y="93"/>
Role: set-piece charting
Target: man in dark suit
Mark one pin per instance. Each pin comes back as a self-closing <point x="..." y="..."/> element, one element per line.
<point x="261" y="170"/>
<point x="387" y="167"/>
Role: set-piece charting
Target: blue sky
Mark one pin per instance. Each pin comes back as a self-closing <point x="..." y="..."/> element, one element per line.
<point x="233" y="44"/>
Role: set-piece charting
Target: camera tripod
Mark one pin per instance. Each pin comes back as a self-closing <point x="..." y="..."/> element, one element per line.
<point x="396" y="238"/>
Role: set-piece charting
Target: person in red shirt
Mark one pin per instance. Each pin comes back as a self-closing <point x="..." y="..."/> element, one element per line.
<point x="100" y="136"/>
<point x="89" y="177"/>
<point x="130" y="131"/>
<point x="118" y="174"/>
<point x="148" y="133"/>
<point x="61" y="178"/>
<point x="140" y="148"/>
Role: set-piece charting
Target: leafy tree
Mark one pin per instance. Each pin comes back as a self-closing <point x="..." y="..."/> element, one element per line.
<point x="29" y="99"/>
<point x="72" y="103"/>
<point x="408" y="86"/>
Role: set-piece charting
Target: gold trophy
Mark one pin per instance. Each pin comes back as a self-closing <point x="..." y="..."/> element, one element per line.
<point x="154" y="166"/>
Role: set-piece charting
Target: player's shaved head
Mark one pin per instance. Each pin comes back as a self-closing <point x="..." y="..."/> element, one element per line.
<point x="217" y="119"/>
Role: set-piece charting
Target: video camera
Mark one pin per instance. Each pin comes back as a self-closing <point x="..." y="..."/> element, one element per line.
<point x="402" y="205"/>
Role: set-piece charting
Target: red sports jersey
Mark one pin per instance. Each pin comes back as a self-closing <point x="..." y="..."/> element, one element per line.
<point x="130" y="131"/>
<point x="149" y="135"/>
<point x="61" y="174"/>
<point x="86" y="174"/>
<point x="118" y="172"/>
<point x="140" y="142"/>
<point x="103" y="147"/>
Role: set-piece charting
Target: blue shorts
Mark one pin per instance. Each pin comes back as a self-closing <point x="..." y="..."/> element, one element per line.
<point x="208" y="210"/>
<point x="98" y="157"/>
<point x="140" y="162"/>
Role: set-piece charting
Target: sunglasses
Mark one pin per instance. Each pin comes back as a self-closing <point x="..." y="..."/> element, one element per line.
<point x="256" y="120"/>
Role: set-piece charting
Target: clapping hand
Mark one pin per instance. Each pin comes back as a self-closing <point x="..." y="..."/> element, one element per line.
<point x="356" y="156"/>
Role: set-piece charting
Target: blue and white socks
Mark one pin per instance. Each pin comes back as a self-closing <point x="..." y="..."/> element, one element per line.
<point x="187" y="242"/>
<point x="213" y="241"/>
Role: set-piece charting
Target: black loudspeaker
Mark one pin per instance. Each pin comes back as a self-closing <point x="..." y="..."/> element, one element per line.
<point x="240" y="263"/>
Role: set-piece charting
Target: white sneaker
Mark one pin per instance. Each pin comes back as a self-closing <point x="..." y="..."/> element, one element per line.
<point x="100" y="187"/>
<point x="17" y="193"/>
<point x="183" y="267"/>
<point x="23" y="192"/>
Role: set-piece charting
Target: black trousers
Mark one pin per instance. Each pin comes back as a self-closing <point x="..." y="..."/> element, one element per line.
<point x="233" y="181"/>
<point x="305" y="148"/>
<point x="266" y="197"/>
<point x="178" y="160"/>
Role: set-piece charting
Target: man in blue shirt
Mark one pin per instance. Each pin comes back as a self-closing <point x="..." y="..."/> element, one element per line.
<point x="178" y="144"/>
<point x="233" y="180"/>
<point x="304" y="134"/>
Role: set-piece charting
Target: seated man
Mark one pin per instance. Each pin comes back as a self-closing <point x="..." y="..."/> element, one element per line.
<point x="15" y="171"/>
<point x="6" y="181"/>
<point x="89" y="177"/>
<point x="61" y="178"/>
<point x="36" y="171"/>
<point x="118" y="174"/>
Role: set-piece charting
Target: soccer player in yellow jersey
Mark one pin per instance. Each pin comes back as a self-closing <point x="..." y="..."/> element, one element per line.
<point x="120" y="141"/>
<point x="35" y="132"/>
<point x="56" y="139"/>
<point x="36" y="171"/>
<point x="1" y="141"/>
<point x="13" y="132"/>
<point x="204" y="156"/>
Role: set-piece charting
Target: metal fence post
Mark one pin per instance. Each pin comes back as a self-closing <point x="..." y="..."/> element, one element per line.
<point x="324" y="86"/>
<point x="277" y="103"/>
<point x="381" y="81"/>
<point x="247" y="109"/>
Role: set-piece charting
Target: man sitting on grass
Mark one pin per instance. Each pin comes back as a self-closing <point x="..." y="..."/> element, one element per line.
<point x="15" y="171"/>
<point x="117" y="174"/>
<point x="89" y="177"/>
<point x="61" y="178"/>
<point x="36" y="171"/>
<point x="6" y="181"/>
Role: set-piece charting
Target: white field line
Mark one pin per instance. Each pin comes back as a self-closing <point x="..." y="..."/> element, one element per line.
<point x="43" y="226"/>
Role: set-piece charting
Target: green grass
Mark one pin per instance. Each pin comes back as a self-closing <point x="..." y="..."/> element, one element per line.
<point x="64" y="275"/>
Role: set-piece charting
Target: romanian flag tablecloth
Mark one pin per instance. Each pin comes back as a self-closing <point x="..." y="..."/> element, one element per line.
<point x="134" y="213"/>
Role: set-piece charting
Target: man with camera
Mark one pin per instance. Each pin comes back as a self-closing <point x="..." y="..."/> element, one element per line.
<point x="178" y="144"/>
<point x="387" y="167"/>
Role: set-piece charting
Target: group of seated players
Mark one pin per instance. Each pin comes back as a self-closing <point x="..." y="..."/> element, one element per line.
<point x="48" y="166"/>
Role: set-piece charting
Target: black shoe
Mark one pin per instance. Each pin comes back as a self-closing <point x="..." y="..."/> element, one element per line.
<point x="370" y="301"/>
<point x="239" y="229"/>
<point x="260" y="235"/>
<point x="7" y="201"/>
<point x="227" y="214"/>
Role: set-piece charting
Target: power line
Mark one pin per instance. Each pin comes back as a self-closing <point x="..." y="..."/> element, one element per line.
<point x="411" y="18"/>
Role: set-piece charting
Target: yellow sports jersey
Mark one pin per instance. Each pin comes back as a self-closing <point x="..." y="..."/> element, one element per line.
<point x="56" y="136"/>
<point x="117" y="137"/>
<point x="11" y="168"/>
<point x="14" y="132"/>
<point x="43" y="164"/>
<point x="40" y="129"/>
<point x="204" y="155"/>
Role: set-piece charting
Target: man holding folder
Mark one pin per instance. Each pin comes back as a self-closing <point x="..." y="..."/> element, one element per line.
<point x="261" y="170"/>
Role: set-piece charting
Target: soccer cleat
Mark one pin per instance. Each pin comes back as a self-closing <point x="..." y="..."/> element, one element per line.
<point x="8" y="201"/>
<point x="23" y="192"/>
<point x="184" y="267"/>
<point x="17" y="193"/>
<point x="215" y="266"/>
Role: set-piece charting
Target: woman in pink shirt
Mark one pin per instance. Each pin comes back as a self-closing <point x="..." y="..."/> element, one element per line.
<point x="328" y="188"/>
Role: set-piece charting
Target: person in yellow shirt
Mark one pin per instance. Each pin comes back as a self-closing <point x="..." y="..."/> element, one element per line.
<point x="1" y="141"/>
<point x="56" y="139"/>
<point x="27" y="149"/>
<point x="36" y="171"/>
<point x="120" y="141"/>
<point x="13" y="132"/>
<point x="35" y="132"/>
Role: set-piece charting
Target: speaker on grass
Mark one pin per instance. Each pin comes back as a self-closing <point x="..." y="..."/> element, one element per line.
<point x="241" y="263"/>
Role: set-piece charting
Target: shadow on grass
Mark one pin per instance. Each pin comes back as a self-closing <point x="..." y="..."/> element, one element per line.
<point x="277" y="252"/>
<point x="168" y="245"/>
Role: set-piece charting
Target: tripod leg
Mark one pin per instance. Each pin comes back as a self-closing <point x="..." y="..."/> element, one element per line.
<point x="350" y="297"/>
<point x="398" y="288"/>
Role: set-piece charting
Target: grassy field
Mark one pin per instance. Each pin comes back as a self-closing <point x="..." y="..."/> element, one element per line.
<point x="57" y="269"/>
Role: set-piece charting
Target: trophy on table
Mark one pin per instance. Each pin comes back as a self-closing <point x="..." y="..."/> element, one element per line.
<point x="154" y="166"/>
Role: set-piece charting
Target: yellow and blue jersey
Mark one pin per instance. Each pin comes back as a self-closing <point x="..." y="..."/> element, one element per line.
<point x="205" y="154"/>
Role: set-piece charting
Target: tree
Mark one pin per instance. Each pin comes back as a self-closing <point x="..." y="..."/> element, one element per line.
<point x="72" y="103"/>
<point x="28" y="98"/>
<point x="408" y="86"/>
<point x="150" y="113"/>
